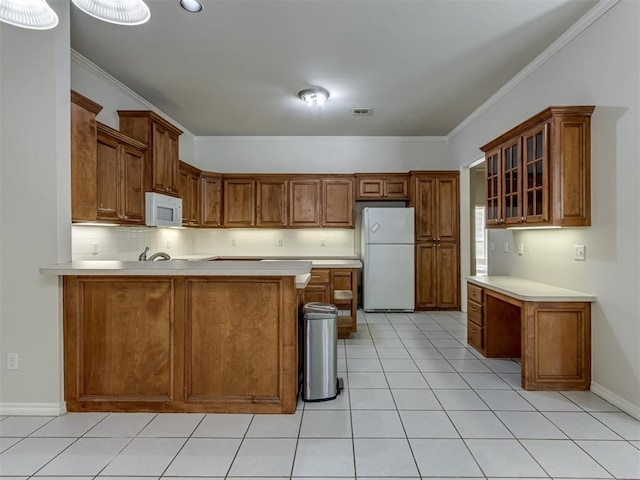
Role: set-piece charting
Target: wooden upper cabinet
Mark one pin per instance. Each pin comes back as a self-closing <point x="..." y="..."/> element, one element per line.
<point x="239" y="202"/>
<point x="189" y="192"/>
<point x="435" y="197"/>
<point x="161" y="162"/>
<point x="539" y="172"/>
<point x="338" y="202"/>
<point x="305" y="209"/>
<point x="210" y="199"/>
<point x="387" y="186"/>
<point x="271" y="201"/>
<point x="119" y="186"/>
<point x="83" y="158"/>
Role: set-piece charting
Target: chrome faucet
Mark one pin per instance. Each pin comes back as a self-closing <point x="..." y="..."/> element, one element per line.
<point x="143" y="256"/>
<point x="160" y="256"/>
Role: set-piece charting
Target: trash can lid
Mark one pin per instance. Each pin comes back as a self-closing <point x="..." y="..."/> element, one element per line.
<point x="320" y="307"/>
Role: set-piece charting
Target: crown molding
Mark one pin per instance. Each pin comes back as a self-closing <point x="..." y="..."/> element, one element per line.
<point x="110" y="79"/>
<point x="365" y="138"/>
<point x="602" y="7"/>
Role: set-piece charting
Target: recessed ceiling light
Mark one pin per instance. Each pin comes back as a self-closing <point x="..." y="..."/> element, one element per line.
<point x="191" y="5"/>
<point x="314" y="96"/>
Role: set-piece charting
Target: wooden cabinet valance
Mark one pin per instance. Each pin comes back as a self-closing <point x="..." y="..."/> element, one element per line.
<point x="538" y="173"/>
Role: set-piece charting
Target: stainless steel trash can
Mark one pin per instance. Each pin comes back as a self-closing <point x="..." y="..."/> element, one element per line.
<point x="320" y="349"/>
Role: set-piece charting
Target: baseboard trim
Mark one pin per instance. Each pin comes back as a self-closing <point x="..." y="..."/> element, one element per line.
<point x="616" y="400"/>
<point x="33" y="409"/>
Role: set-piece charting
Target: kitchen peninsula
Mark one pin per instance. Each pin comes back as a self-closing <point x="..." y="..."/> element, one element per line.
<point x="181" y="336"/>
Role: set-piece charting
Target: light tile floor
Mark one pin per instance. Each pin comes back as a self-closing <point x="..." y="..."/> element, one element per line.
<point x="419" y="403"/>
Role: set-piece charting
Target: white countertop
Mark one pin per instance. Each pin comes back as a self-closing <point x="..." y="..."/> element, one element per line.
<point x="299" y="269"/>
<point x="530" y="291"/>
<point x="327" y="262"/>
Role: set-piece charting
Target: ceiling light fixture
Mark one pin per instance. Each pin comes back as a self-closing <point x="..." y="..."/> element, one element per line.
<point x="314" y="96"/>
<point x="191" y="5"/>
<point x="120" y="12"/>
<point x="33" y="14"/>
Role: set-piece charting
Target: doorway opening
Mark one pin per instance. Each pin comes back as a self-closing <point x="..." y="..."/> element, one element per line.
<point x="478" y="243"/>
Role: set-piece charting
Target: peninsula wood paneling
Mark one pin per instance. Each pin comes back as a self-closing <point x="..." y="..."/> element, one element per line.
<point x="181" y="344"/>
<point x="121" y="331"/>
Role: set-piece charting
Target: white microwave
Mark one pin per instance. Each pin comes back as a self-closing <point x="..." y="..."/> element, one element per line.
<point x="162" y="210"/>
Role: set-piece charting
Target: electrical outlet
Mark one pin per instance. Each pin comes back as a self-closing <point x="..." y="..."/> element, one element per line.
<point x="233" y="242"/>
<point x="279" y="242"/>
<point x="506" y="247"/>
<point x="168" y="244"/>
<point x="492" y="247"/>
<point x="323" y="243"/>
<point x="96" y="248"/>
<point x="579" y="253"/>
<point x="12" y="361"/>
<point x="520" y="248"/>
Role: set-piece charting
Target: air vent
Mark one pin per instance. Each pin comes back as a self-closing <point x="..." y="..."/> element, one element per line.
<point x="362" y="112"/>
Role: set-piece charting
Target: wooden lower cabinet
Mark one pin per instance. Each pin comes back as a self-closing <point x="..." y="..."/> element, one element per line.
<point x="553" y="339"/>
<point x="180" y="344"/>
<point x="340" y="287"/>
<point x="437" y="276"/>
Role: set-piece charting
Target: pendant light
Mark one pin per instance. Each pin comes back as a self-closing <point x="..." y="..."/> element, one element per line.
<point x="33" y="14"/>
<point x="120" y="12"/>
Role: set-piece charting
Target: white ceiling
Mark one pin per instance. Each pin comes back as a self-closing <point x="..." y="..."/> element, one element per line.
<point x="236" y="67"/>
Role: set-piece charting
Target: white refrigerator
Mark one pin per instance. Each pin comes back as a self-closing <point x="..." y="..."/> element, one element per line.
<point x="388" y="259"/>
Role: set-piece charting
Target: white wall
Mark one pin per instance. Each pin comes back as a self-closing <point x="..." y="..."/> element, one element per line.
<point x="599" y="67"/>
<point x="34" y="210"/>
<point x="96" y="84"/>
<point x="321" y="154"/>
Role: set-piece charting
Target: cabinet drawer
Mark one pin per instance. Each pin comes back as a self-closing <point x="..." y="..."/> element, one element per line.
<point x="320" y="276"/>
<point x="474" y="312"/>
<point x="474" y="293"/>
<point x="474" y="335"/>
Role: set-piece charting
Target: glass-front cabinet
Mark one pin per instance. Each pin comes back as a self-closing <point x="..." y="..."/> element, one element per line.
<point x="492" y="169"/>
<point x="538" y="173"/>
<point x="511" y="211"/>
<point x="536" y="159"/>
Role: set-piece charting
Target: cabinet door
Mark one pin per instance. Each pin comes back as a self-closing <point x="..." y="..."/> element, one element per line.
<point x="446" y="209"/>
<point x="210" y="201"/>
<point x="511" y="183"/>
<point x="107" y="191"/>
<point x="437" y="276"/>
<point x="492" y="187"/>
<point x="317" y="293"/>
<point x="536" y="175"/>
<point x="304" y="203"/>
<point x="396" y="188"/>
<point x="271" y="203"/>
<point x="424" y="195"/>
<point x="239" y="201"/>
<point x="337" y="203"/>
<point x="165" y="177"/>
<point x="193" y="189"/>
<point x="185" y="194"/>
<point x="370" y="188"/>
<point x="447" y="276"/>
<point x="132" y="166"/>
<point x="426" y="279"/>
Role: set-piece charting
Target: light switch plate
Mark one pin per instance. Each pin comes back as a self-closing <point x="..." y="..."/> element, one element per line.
<point x="520" y="248"/>
<point x="579" y="253"/>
